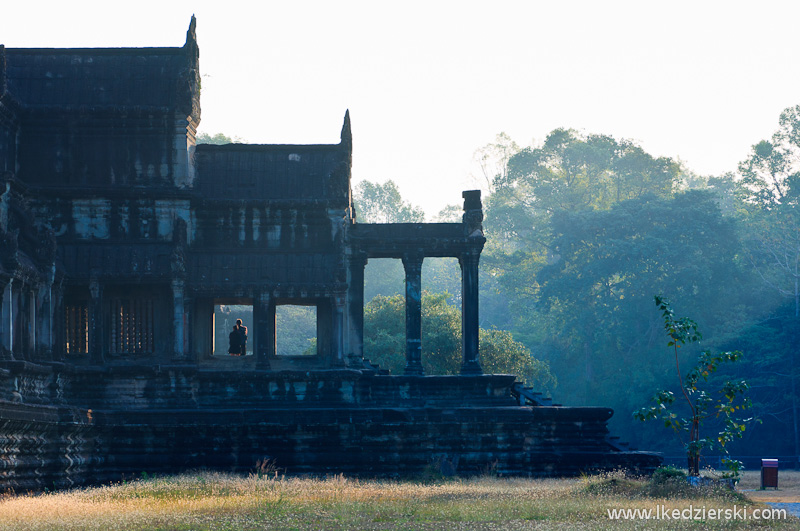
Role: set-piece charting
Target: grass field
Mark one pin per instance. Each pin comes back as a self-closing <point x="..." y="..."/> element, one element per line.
<point x="205" y="500"/>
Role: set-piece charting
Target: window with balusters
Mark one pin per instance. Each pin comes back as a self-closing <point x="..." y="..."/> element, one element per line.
<point x="131" y="326"/>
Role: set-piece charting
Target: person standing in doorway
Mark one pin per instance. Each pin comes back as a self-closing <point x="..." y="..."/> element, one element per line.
<point x="242" y="337"/>
<point x="234" y="342"/>
<point x="237" y="340"/>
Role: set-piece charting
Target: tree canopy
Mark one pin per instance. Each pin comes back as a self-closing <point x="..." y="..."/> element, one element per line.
<point x="582" y="230"/>
<point x="382" y="203"/>
<point x="384" y="341"/>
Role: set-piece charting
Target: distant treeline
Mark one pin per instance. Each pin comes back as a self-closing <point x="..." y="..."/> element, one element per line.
<point x="583" y="230"/>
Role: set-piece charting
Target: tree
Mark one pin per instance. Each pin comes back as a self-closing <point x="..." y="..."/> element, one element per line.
<point x="772" y="171"/>
<point x="218" y="139"/>
<point x="593" y="298"/>
<point x="573" y="172"/>
<point x="382" y="203"/>
<point x="771" y="346"/>
<point x="568" y="172"/>
<point x="493" y="159"/>
<point x="728" y="403"/>
<point x="771" y="175"/>
<point x="384" y="341"/>
<point x="449" y="214"/>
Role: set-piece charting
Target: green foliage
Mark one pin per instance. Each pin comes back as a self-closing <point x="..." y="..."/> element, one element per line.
<point x="493" y="159"/>
<point x="727" y="404"/>
<point x="664" y="474"/>
<point x="218" y="139"/>
<point x="591" y="300"/>
<point x="501" y="354"/>
<point x="385" y="276"/>
<point x="571" y="172"/>
<point x="382" y="203"/>
<point x="771" y="173"/>
<point x="771" y="368"/>
<point x="449" y="214"/>
<point x="665" y="483"/>
<point x="384" y="341"/>
<point x="296" y="330"/>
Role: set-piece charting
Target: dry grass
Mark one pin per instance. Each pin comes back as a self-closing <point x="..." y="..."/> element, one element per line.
<point x="788" y="487"/>
<point x="206" y="500"/>
<point x="788" y="480"/>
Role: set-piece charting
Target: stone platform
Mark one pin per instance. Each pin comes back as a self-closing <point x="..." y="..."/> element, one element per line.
<point x="64" y="426"/>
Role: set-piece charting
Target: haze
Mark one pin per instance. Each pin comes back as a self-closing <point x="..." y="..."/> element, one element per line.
<point x="427" y="83"/>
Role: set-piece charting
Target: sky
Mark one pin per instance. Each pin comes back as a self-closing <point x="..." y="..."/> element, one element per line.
<point x="429" y="83"/>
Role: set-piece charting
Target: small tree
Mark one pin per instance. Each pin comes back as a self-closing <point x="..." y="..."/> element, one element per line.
<point x="727" y="403"/>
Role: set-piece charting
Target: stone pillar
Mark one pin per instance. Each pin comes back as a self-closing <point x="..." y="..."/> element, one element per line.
<point x="412" y="263"/>
<point x="47" y="340"/>
<point x="469" y="311"/>
<point x="188" y="343"/>
<point x="338" y="330"/>
<point x="96" y="322"/>
<point x="58" y="338"/>
<point x="358" y="262"/>
<point x="6" y="327"/>
<point x="264" y="317"/>
<point x="178" y="324"/>
<point x="32" y="329"/>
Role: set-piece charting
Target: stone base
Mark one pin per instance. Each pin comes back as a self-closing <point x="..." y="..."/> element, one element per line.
<point x="135" y="420"/>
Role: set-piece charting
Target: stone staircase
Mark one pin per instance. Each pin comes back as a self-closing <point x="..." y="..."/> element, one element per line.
<point x="70" y="426"/>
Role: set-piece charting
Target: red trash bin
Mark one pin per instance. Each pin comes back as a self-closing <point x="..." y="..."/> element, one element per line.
<point x="769" y="473"/>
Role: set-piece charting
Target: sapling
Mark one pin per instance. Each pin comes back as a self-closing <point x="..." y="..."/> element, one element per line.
<point x="727" y="402"/>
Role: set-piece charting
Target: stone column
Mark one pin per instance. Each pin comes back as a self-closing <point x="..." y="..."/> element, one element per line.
<point x="189" y="349"/>
<point x="358" y="262"/>
<point x="412" y="263"/>
<point x="338" y="330"/>
<point x="264" y="317"/>
<point x="469" y="311"/>
<point x="96" y="322"/>
<point x="32" y="328"/>
<point x="47" y="337"/>
<point x="178" y="325"/>
<point x="6" y="326"/>
<point x="58" y="339"/>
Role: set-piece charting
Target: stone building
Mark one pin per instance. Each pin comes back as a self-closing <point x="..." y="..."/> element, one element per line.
<point x="121" y="239"/>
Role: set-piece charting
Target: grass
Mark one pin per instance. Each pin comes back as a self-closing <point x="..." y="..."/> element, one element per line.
<point x="206" y="500"/>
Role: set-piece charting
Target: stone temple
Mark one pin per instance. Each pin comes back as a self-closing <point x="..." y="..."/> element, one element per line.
<point x="120" y="240"/>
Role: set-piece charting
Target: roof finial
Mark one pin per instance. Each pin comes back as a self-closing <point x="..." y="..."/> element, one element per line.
<point x="347" y="135"/>
<point x="191" y="33"/>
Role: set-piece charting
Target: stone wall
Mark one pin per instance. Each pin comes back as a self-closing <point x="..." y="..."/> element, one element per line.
<point x="171" y="419"/>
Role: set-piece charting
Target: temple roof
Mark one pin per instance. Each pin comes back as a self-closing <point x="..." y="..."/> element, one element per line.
<point x="273" y="172"/>
<point x="94" y="77"/>
<point x="104" y="78"/>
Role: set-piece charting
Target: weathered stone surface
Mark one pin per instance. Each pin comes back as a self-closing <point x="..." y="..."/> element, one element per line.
<point x="118" y="239"/>
<point x="332" y="421"/>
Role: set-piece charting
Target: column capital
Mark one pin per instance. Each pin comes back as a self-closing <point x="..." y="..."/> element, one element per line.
<point x="470" y="256"/>
<point x="412" y="261"/>
<point x="177" y="286"/>
<point x="359" y="258"/>
<point x="95" y="288"/>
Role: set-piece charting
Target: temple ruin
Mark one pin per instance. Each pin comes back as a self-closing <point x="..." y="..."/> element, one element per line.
<point x="119" y="236"/>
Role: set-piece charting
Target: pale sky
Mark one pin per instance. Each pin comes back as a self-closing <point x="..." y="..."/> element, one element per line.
<point x="428" y="83"/>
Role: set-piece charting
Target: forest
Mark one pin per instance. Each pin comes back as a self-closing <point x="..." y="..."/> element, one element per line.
<point x="583" y="230"/>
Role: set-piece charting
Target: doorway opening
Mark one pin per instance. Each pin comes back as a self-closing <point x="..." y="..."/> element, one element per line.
<point x="296" y="330"/>
<point x="225" y="316"/>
